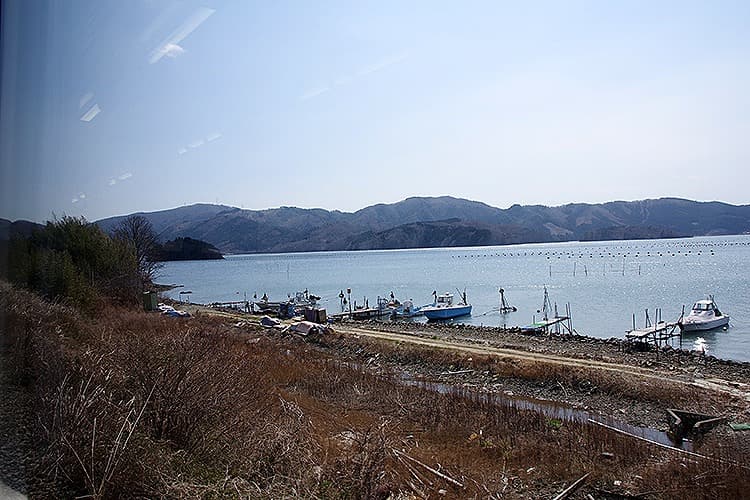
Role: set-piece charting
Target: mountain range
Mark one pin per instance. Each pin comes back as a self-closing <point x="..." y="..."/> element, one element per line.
<point x="440" y="222"/>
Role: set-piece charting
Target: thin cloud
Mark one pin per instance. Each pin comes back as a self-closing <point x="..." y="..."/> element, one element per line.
<point x="200" y="142"/>
<point x="381" y="65"/>
<point x="344" y="80"/>
<point x="173" y="50"/>
<point x="74" y="200"/>
<point x="314" y="93"/>
<point x="120" y="178"/>
<point x="91" y="113"/>
<point x="82" y="196"/>
<point x="170" y="46"/>
<point x="349" y="79"/>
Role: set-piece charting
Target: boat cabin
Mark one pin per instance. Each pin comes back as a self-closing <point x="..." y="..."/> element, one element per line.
<point x="445" y="300"/>
<point x="705" y="305"/>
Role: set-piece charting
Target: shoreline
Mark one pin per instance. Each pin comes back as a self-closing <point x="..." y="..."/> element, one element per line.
<point x="483" y="333"/>
<point x="598" y="376"/>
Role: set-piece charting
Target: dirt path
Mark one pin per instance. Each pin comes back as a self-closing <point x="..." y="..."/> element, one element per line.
<point x="711" y="382"/>
<point x="740" y="390"/>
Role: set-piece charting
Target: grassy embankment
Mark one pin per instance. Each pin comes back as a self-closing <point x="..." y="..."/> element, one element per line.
<point x="129" y="403"/>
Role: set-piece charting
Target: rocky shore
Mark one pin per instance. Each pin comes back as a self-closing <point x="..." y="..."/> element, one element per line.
<point x="612" y="350"/>
<point x="584" y="395"/>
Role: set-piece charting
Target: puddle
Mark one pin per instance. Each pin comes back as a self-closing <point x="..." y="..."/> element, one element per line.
<point x="551" y="409"/>
<point x="554" y="410"/>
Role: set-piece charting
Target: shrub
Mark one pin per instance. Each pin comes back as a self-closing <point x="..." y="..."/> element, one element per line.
<point x="75" y="261"/>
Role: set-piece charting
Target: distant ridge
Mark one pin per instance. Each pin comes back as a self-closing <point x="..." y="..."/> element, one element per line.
<point x="22" y="228"/>
<point x="440" y="221"/>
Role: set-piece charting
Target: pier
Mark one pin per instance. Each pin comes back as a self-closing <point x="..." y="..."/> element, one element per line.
<point x="383" y="310"/>
<point x="363" y="314"/>
<point x="555" y="325"/>
<point x="657" y="333"/>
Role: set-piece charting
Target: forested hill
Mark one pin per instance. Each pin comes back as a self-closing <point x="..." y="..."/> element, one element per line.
<point x="442" y="221"/>
<point x="186" y="249"/>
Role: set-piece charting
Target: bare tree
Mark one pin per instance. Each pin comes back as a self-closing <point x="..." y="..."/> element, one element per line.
<point x="138" y="232"/>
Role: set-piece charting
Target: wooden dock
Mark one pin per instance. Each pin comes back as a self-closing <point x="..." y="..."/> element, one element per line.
<point x="657" y="333"/>
<point x="555" y="325"/>
<point x="551" y="325"/>
<point x="363" y="314"/>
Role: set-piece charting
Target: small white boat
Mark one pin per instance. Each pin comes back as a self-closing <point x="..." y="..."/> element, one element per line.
<point x="407" y="309"/>
<point x="704" y="316"/>
<point x="444" y="308"/>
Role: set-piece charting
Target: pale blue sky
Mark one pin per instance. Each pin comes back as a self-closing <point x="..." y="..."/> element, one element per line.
<point x="115" y="107"/>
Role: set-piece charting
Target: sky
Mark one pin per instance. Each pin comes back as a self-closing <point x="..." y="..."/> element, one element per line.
<point x="112" y="107"/>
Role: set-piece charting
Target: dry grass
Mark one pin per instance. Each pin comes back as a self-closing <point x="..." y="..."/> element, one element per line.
<point x="131" y="404"/>
<point x="592" y="380"/>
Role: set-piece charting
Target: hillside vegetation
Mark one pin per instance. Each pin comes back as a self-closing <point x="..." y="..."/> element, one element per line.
<point x="186" y="249"/>
<point x="443" y="221"/>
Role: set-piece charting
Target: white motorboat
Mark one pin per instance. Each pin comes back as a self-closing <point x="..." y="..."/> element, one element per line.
<point x="704" y="315"/>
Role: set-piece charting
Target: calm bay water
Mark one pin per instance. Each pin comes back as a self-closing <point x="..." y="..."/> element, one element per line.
<point x="604" y="282"/>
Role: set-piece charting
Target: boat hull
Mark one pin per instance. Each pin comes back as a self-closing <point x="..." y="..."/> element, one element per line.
<point x="446" y="312"/>
<point x="699" y="326"/>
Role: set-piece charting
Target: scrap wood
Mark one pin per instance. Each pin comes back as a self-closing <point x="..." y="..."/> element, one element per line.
<point x="427" y="467"/>
<point x="459" y="372"/>
<point x="414" y="471"/>
<point x="572" y="488"/>
<point x="416" y="490"/>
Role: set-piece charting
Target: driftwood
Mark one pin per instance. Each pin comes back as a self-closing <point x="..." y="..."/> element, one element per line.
<point x="459" y="372"/>
<point x="427" y="467"/>
<point x="572" y="488"/>
<point x="413" y="471"/>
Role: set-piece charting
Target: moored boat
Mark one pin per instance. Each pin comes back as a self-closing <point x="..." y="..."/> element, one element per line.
<point x="407" y="309"/>
<point x="704" y="315"/>
<point x="444" y="308"/>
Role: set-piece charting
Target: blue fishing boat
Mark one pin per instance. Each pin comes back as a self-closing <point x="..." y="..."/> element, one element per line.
<point x="444" y="308"/>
